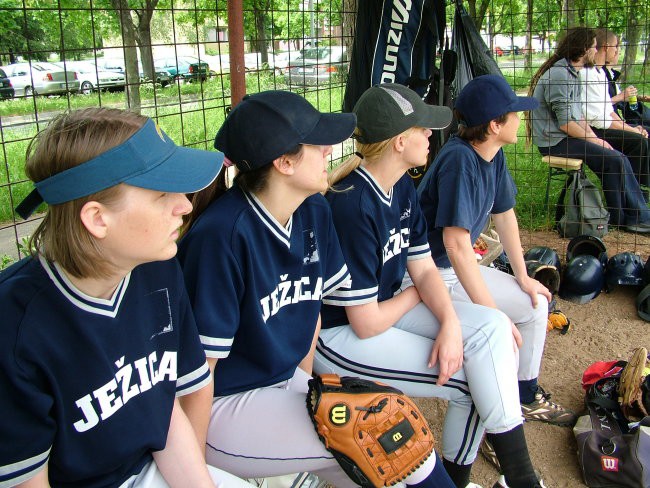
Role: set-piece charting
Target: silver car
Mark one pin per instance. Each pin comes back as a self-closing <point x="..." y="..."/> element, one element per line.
<point x="93" y="78"/>
<point x="41" y="78"/>
<point x="317" y="65"/>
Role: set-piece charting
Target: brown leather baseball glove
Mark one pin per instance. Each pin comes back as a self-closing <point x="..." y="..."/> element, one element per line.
<point x="630" y="392"/>
<point x="375" y="432"/>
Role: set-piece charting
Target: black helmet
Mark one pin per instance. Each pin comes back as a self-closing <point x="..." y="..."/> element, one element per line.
<point x="624" y="269"/>
<point x="646" y="271"/>
<point x="502" y="263"/>
<point x="585" y="244"/>
<point x="546" y="274"/>
<point x="583" y="279"/>
<point x="544" y="255"/>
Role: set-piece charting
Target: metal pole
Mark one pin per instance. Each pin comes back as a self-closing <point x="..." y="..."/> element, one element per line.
<point x="236" y="51"/>
<point x="312" y="31"/>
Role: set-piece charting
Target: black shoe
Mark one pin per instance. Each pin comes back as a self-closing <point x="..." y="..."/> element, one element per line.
<point x="642" y="228"/>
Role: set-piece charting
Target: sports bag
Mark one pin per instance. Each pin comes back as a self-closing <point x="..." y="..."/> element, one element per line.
<point x="580" y="208"/>
<point x="375" y="432"/>
<point x="610" y="452"/>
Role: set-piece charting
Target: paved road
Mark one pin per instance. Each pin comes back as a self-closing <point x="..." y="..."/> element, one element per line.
<point x="8" y="235"/>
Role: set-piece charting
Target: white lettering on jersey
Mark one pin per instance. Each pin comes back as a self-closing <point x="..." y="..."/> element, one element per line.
<point x="397" y="241"/>
<point x="288" y="292"/>
<point x="113" y="395"/>
<point x="399" y="16"/>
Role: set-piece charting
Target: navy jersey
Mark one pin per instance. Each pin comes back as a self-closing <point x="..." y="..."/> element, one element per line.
<point x="87" y="385"/>
<point x="256" y="286"/>
<point x="379" y="232"/>
<point x="461" y="190"/>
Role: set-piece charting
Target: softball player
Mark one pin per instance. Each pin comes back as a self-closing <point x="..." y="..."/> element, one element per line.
<point x="468" y="182"/>
<point x="257" y="263"/>
<point x="97" y="338"/>
<point x="405" y="331"/>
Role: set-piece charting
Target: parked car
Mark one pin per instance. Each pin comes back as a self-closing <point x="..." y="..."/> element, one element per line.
<point x="41" y="78"/>
<point x="6" y="90"/>
<point x="316" y="65"/>
<point x="498" y="51"/>
<point x="184" y="68"/>
<point x="92" y="77"/>
<point x="117" y="64"/>
<point x="280" y="61"/>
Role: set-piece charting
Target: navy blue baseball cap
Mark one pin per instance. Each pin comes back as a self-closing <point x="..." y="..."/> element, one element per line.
<point x="148" y="159"/>
<point x="487" y="97"/>
<point x="266" y="125"/>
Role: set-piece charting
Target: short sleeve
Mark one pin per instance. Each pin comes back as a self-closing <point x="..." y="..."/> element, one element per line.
<point x="193" y="370"/>
<point x="418" y="242"/>
<point x="506" y="190"/>
<point x="361" y="250"/>
<point x="455" y="186"/>
<point x="336" y="272"/>
<point x="26" y="419"/>
<point x="214" y="285"/>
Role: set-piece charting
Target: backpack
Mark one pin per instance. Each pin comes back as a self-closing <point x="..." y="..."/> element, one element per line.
<point x="610" y="452"/>
<point x="580" y="209"/>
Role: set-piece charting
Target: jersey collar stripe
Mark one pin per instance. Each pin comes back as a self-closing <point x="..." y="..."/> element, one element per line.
<point x="282" y="233"/>
<point x="216" y="341"/>
<point x="193" y="381"/>
<point x="99" y="306"/>
<point x="336" y="281"/>
<point x="385" y="199"/>
<point x="22" y="470"/>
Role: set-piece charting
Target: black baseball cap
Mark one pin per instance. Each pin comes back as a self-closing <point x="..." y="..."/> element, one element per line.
<point x="386" y="110"/>
<point x="266" y="125"/>
<point x="487" y="97"/>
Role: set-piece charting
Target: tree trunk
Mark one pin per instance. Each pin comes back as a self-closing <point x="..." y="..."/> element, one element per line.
<point x="569" y="13"/>
<point x="634" y="30"/>
<point x="261" y="43"/>
<point x="130" y="54"/>
<point x="143" y="37"/>
<point x="349" y="23"/>
<point x="528" y="62"/>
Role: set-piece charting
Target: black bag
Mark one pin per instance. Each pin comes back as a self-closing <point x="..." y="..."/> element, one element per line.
<point x="611" y="454"/>
<point x="580" y="209"/>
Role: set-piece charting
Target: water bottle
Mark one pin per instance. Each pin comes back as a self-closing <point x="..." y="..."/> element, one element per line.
<point x="632" y="100"/>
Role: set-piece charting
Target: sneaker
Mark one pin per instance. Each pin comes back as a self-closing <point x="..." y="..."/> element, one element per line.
<point x="544" y="410"/>
<point x="501" y="482"/>
<point x="473" y="485"/>
<point x="488" y="453"/>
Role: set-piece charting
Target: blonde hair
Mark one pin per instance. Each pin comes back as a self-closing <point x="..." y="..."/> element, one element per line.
<point x="69" y="140"/>
<point x="370" y="152"/>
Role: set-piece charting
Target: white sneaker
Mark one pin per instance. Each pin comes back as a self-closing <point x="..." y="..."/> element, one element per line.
<point x="473" y="485"/>
<point x="501" y="482"/>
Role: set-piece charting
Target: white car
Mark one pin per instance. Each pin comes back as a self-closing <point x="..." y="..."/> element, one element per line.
<point x="93" y="77"/>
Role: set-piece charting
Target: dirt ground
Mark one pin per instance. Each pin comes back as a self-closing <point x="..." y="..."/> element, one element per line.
<point x="606" y="328"/>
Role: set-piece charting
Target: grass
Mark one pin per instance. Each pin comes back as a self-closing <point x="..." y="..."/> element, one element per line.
<point x="189" y="113"/>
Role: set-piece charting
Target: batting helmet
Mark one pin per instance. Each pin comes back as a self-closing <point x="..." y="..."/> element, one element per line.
<point x="583" y="279"/>
<point x="546" y="274"/>
<point x="624" y="269"/>
<point x="544" y="255"/>
<point x="643" y="304"/>
<point x="585" y="244"/>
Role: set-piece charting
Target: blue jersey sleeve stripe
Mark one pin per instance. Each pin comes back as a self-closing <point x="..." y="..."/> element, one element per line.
<point x="419" y="249"/>
<point x="340" y="293"/>
<point x="348" y="302"/>
<point x="216" y="342"/>
<point x="15" y="473"/>
<point x="193" y="381"/>
<point x="336" y="281"/>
